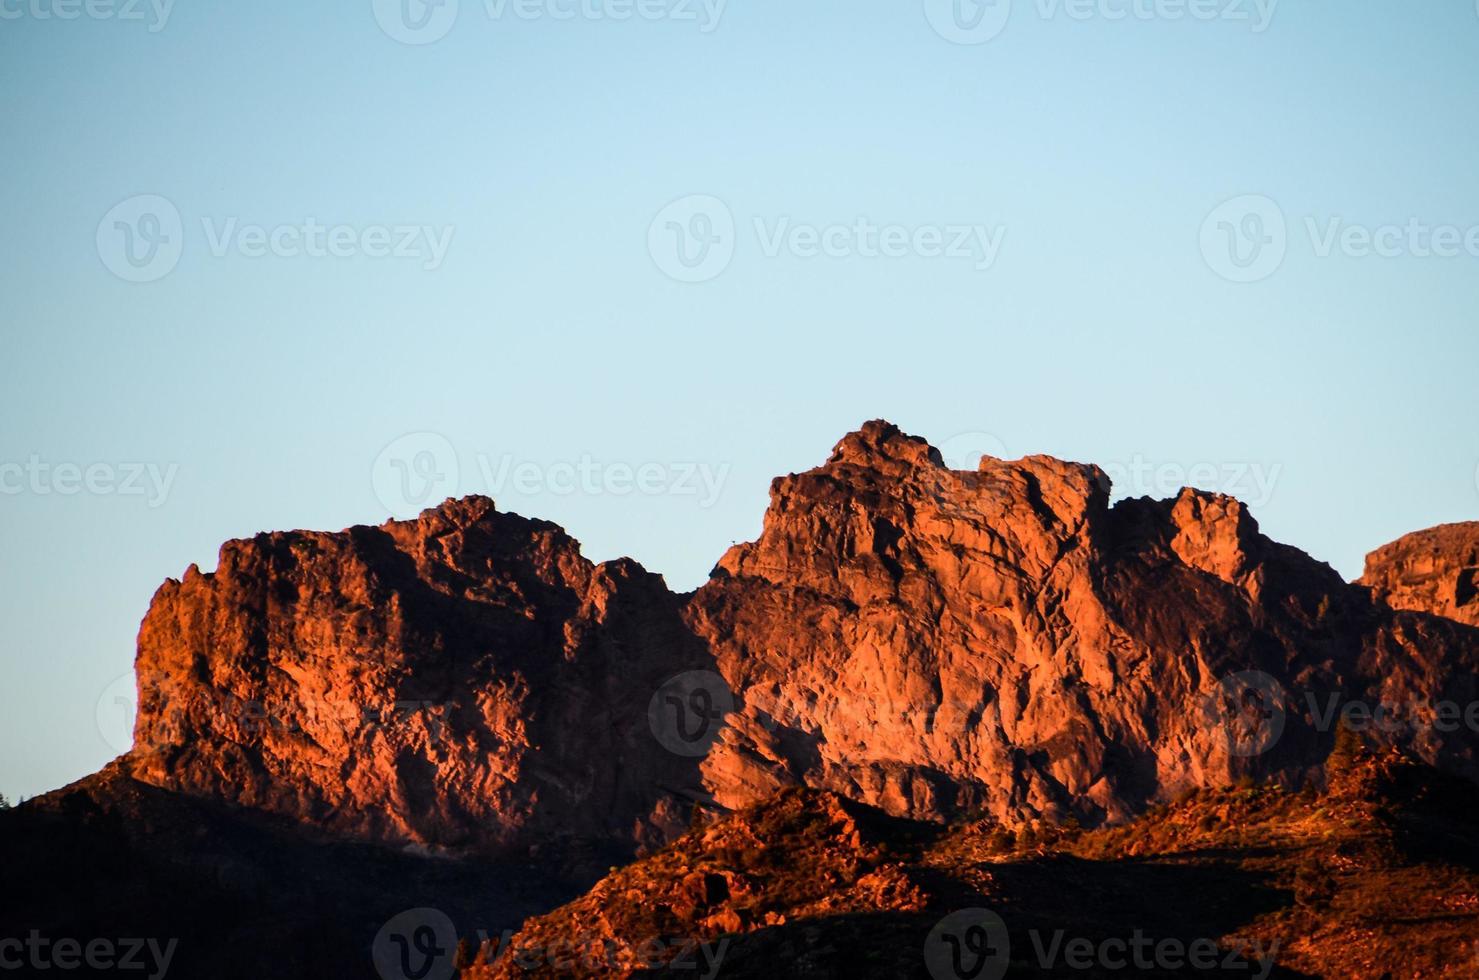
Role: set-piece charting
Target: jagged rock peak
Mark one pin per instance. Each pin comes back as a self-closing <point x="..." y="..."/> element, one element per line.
<point x="880" y="444"/>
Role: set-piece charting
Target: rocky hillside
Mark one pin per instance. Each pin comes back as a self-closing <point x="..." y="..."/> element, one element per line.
<point x="1373" y="878"/>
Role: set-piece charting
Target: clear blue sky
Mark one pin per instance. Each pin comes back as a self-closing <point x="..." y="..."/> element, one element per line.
<point x="547" y="331"/>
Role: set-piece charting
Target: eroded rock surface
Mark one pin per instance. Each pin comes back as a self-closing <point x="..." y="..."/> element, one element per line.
<point x="464" y="679"/>
<point x="934" y="642"/>
<point x="928" y="641"/>
<point x="1434" y="571"/>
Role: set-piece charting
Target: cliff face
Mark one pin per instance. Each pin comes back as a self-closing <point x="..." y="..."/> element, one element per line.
<point x="1434" y="571"/>
<point x="924" y="640"/>
<point x="932" y="641"/>
<point x="463" y="679"/>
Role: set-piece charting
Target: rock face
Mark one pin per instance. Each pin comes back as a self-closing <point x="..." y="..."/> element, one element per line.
<point x="1434" y="571"/>
<point x="462" y="680"/>
<point x="928" y="641"/>
<point x="934" y="642"/>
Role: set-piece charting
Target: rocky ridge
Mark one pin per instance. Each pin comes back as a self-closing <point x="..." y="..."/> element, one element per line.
<point x="929" y="641"/>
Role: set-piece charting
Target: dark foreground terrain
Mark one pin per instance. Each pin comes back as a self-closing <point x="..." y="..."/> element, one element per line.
<point x="1375" y="876"/>
<point x="1372" y="878"/>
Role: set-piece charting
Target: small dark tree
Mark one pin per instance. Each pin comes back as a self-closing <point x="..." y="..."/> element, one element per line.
<point x="1349" y="749"/>
<point x="1000" y="839"/>
<point x="1314" y="886"/>
<point x="4" y="803"/>
<point x="1027" y="839"/>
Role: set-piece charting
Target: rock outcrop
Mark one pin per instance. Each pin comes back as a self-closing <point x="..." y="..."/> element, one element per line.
<point x="1435" y="571"/>
<point x="935" y="642"/>
<point x="466" y="679"/>
<point x="928" y="641"/>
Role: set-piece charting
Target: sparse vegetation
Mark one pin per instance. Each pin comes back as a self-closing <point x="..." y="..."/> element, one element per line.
<point x="1001" y="840"/>
<point x="1349" y="750"/>
<point x="1331" y="876"/>
<point x="1314" y="886"/>
<point x="467" y="952"/>
<point x="1027" y="839"/>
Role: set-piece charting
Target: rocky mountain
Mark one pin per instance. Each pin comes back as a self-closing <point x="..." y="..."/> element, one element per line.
<point x="464" y="699"/>
<point x="926" y="640"/>
<point x="929" y="641"/>
<point x="1003" y="640"/>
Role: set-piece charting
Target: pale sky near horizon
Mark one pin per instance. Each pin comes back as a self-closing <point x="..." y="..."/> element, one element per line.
<point x="271" y="266"/>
